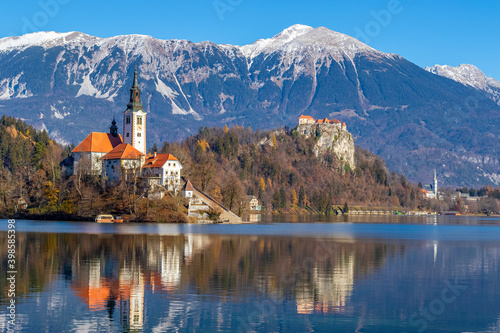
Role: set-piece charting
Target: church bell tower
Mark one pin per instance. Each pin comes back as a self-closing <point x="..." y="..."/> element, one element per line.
<point x="134" y="119"/>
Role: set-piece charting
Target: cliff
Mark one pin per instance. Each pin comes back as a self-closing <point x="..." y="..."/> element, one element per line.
<point x="331" y="138"/>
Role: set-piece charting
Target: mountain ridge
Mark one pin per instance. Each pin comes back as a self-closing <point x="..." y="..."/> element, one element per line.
<point x="469" y="75"/>
<point x="303" y="70"/>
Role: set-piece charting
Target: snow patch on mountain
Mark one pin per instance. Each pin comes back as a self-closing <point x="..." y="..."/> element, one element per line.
<point x="469" y="75"/>
<point x="178" y="110"/>
<point x="165" y="90"/>
<point x="56" y="113"/>
<point x="45" y="39"/>
<point x="87" y="88"/>
<point x="14" y="88"/>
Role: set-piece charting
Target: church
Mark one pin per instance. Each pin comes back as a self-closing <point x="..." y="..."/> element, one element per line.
<point x="113" y="156"/>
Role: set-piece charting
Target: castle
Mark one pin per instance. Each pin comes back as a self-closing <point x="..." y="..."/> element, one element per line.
<point x="332" y="136"/>
<point x="114" y="157"/>
<point x="308" y="120"/>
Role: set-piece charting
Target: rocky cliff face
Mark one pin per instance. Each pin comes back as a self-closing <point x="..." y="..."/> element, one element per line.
<point x="331" y="138"/>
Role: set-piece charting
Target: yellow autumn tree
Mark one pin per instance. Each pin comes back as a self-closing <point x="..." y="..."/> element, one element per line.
<point x="216" y="194"/>
<point x="262" y="184"/>
<point x="226" y="129"/>
<point x="269" y="183"/>
<point x="294" y="198"/>
<point x="203" y="144"/>
<point x="50" y="193"/>
<point x="274" y="141"/>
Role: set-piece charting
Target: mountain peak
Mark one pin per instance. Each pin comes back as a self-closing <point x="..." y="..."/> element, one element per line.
<point x="293" y="32"/>
<point x="42" y="38"/>
<point x="469" y="75"/>
<point x="302" y="35"/>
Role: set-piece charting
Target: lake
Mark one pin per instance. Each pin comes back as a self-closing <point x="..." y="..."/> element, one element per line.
<point x="285" y="274"/>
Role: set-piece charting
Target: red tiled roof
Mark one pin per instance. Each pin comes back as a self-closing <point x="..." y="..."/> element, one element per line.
<point x="158" y="161"/>
<point x="424" y="191"/>
<point x="306" y="117"/>
<point x="343" y="124"/>
<point x="188" y="186"/>
<point x="335" y="121"/>
<point x="98" y="143"/>
<point x="123" y="151"/>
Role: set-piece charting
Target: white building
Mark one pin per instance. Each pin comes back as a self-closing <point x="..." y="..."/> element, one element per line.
<point x="93" y="148"/>
<point x="123" y="158"/>
<point x="431" y="191"/>
<point x="165" y="168"/>
<point x="187" y="191"/>
<point x="306" y="120"/>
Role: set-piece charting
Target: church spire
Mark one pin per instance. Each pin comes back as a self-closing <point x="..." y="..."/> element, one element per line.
<point x="135" y="95"/>
<point x="136" y="84"/>
<point x="113" y="129"/>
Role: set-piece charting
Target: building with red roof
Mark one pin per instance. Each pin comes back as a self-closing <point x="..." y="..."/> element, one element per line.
<point x="90" y="151"/>
<point x="109" y="154"/>
<point x="165" y="169"/>
<point x="122" y="158"/>
<point x="306" y="120"/>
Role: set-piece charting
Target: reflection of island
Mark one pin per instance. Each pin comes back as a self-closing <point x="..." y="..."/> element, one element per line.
<point x="100" y="292"/>
<point x="114" y="274"/>
<point x="330" y="288"/>
<point x="131" y="297"/>
<point x="91" y="287"/>
<point x="139" y="282"/>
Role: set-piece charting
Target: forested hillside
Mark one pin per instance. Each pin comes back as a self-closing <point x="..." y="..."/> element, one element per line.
<point x="279" y="167"/>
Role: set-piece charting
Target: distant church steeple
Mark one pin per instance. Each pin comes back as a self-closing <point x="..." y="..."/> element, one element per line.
<point x="435" y="185"/>
<point x="113" y="129"/>
<point x="134" y="119"/>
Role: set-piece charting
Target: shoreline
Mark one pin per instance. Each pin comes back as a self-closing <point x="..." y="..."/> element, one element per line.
<point x="73" y="218"/>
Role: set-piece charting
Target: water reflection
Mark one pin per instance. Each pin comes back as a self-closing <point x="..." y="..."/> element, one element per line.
<point x="134" y="283"/>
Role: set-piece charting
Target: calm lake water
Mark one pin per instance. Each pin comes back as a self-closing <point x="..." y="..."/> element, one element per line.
<point x="356" y="274"/>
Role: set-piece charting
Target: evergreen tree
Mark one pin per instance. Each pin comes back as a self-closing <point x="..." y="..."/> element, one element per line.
<point x="283" y="201"/>
<point x="302" y="196"/>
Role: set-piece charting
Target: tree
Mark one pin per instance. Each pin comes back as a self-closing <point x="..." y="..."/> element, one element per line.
<point x="51" y="194"/>
<point x="274" y="141"/>
<point x="216" y="194"/>
<point x="276" y="200"/>
<point x="262" y="184"/>
<point x="294" y="198"/>
<point x="345" y="210"/>
<point x="322" y="201"/>
<point x="283" y="200"/>
<point x="302" y="196"/>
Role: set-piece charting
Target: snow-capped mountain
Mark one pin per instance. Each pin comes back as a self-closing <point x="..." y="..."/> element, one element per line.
<point x="73" y="83"/>
<point x="469" y="75"/>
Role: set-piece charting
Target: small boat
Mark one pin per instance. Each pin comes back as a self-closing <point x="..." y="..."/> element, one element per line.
<point x="118" y="219"/>
<point x="108" y="218"/>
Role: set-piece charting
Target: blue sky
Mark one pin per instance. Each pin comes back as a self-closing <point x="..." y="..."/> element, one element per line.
<point x="423" y="31"/>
